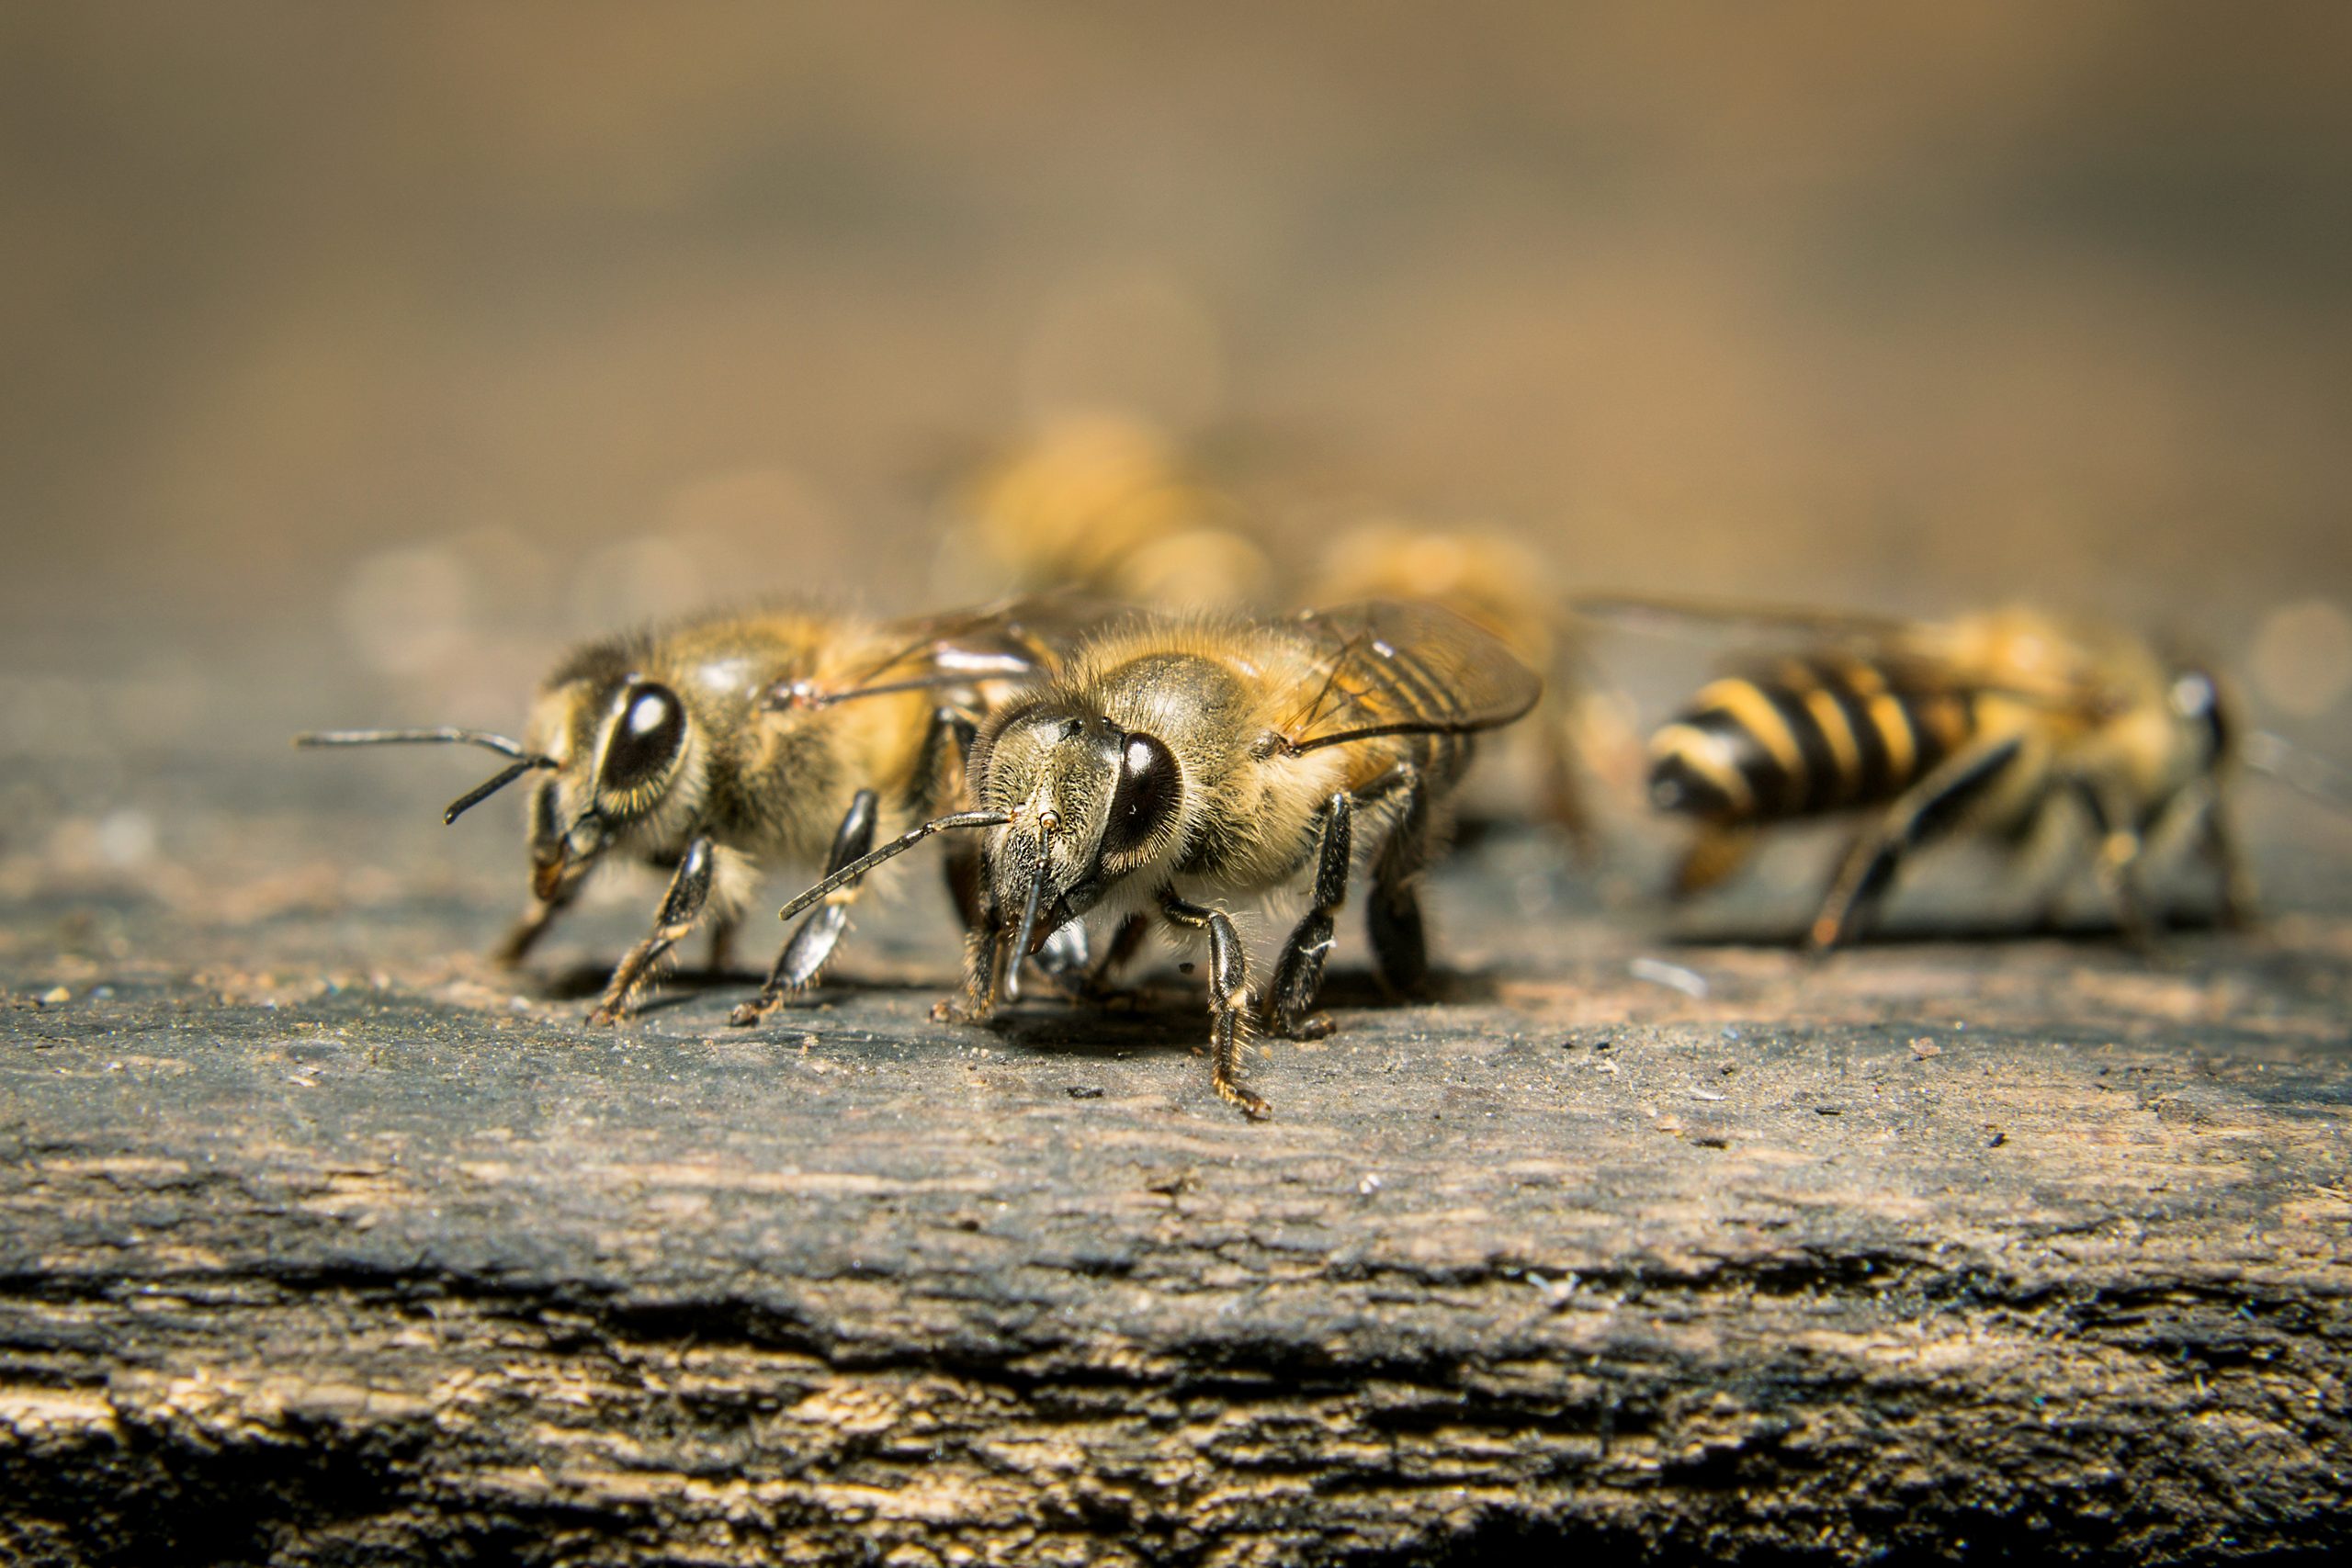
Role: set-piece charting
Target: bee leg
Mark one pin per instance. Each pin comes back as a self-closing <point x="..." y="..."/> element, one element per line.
<point x="1066" y="957"/>
<point x="2118" y="863"/>
<point x="1096" y="986"/>
<point x="1400" y="947"/>
<point x="1717" y="850"/>
<point x="518" y="942"/>
<point x="2048" y="850"/>
<point x="722" y="945"/>
<point x="1299" y="973"/>
<point x="945" y="749"/>
<point x="1229" y="1001"/>
<point x="984" y="947"/>
<point x="681" y="907"/>
<point x="2241" y="897"/>
<point x="1928" y="809"/>
<point x="813" y="941"/>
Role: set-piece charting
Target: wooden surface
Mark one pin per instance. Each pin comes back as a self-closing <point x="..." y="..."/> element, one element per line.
<point x="322" y="1241"/>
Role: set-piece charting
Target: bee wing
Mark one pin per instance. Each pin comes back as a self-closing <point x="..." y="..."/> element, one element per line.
<point x="1008" y="641"/>
<point x="1407" y="668"/>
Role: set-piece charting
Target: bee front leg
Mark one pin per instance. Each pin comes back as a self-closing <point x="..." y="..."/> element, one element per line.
<point x="1095" y="984"/>
<point x="984" y="947"/>
<point x="2241" y="897"/>
<point x="1067" y="957"/>
<point x="813" y="941"/>
<point x="1298" y="975"/>
<point x="525" y="935"/>
<point x="1229" y="1001"/>
<point x="681" y="907"/>
<point x="2119" y="865"/>
<point x="1933" y="806"/>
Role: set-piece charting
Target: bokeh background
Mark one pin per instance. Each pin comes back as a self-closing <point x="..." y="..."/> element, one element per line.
<point x="357" y="357"/>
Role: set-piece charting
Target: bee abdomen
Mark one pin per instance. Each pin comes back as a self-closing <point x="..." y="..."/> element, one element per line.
<point x="1810" y="738"/>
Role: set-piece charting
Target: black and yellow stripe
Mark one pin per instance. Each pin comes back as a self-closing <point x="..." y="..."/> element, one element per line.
<point x="1407" y="688"/>
<point x="1811" y="736"/>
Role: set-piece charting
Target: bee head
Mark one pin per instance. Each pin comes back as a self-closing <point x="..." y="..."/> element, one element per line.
<point x="1091" y="803"/>
<point x="624" y="749"/>
<point x="2198" y="703"/>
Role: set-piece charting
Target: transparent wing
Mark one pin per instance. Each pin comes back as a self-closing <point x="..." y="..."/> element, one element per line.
<point x="1949" y="655"/>
<point x="1407" y="668"/>
<point x="1008" y="641"/>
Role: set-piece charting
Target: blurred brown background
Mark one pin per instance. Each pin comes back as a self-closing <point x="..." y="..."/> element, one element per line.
<point x="405" y="342"/>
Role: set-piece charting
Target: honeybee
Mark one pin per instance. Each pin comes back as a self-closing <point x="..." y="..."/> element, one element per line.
<point x="1103" y="504"/>
<point x="1493" y="580"/>
<point x="1171" y="765"/>
<point x="1999" y="722"/>
<point x="725" y="746"/>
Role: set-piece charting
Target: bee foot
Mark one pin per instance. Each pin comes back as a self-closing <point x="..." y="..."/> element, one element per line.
<point x="1252" y="1105"/>
<point x="1314" y="1026"/>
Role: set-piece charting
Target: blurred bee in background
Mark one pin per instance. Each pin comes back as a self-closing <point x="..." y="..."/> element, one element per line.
<point x="2001" y="723"/>
<point x="725" y="746"/>
<point x="1172" y="765"/>
<point x="1496" y="582"/>
<point x="1103" y="504"/>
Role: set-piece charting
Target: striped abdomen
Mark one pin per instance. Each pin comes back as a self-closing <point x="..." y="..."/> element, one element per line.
<point x="1811" y="736"/>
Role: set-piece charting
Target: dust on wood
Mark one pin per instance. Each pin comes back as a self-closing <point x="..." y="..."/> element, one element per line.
<point x="323" y="1241"/>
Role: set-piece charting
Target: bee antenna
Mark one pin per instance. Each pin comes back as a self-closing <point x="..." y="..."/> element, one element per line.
<point x="890" y="850"/>
<point x="525" y="760"/>
<point x="2306" y="773"/>
<point x="443" y="735"/>
<point x="491" y="786"/>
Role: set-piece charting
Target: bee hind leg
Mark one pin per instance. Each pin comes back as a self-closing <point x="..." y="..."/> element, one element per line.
<point x="682" y="907"/>
<point x="813" y="941"/>
<point x="1401" y="943"/>
<point x="1930" y="808"/>
<point x="1229" y="1001"/>
<point x="1298" y="975"/>
<point x="722" y="945"/>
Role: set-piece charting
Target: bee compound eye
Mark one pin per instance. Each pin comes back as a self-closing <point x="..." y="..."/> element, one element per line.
<point x="1148" y="789"/>
<point x="647" y="734"/>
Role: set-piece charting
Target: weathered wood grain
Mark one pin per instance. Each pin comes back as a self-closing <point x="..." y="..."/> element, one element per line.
<point x="319" y="1242"/>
